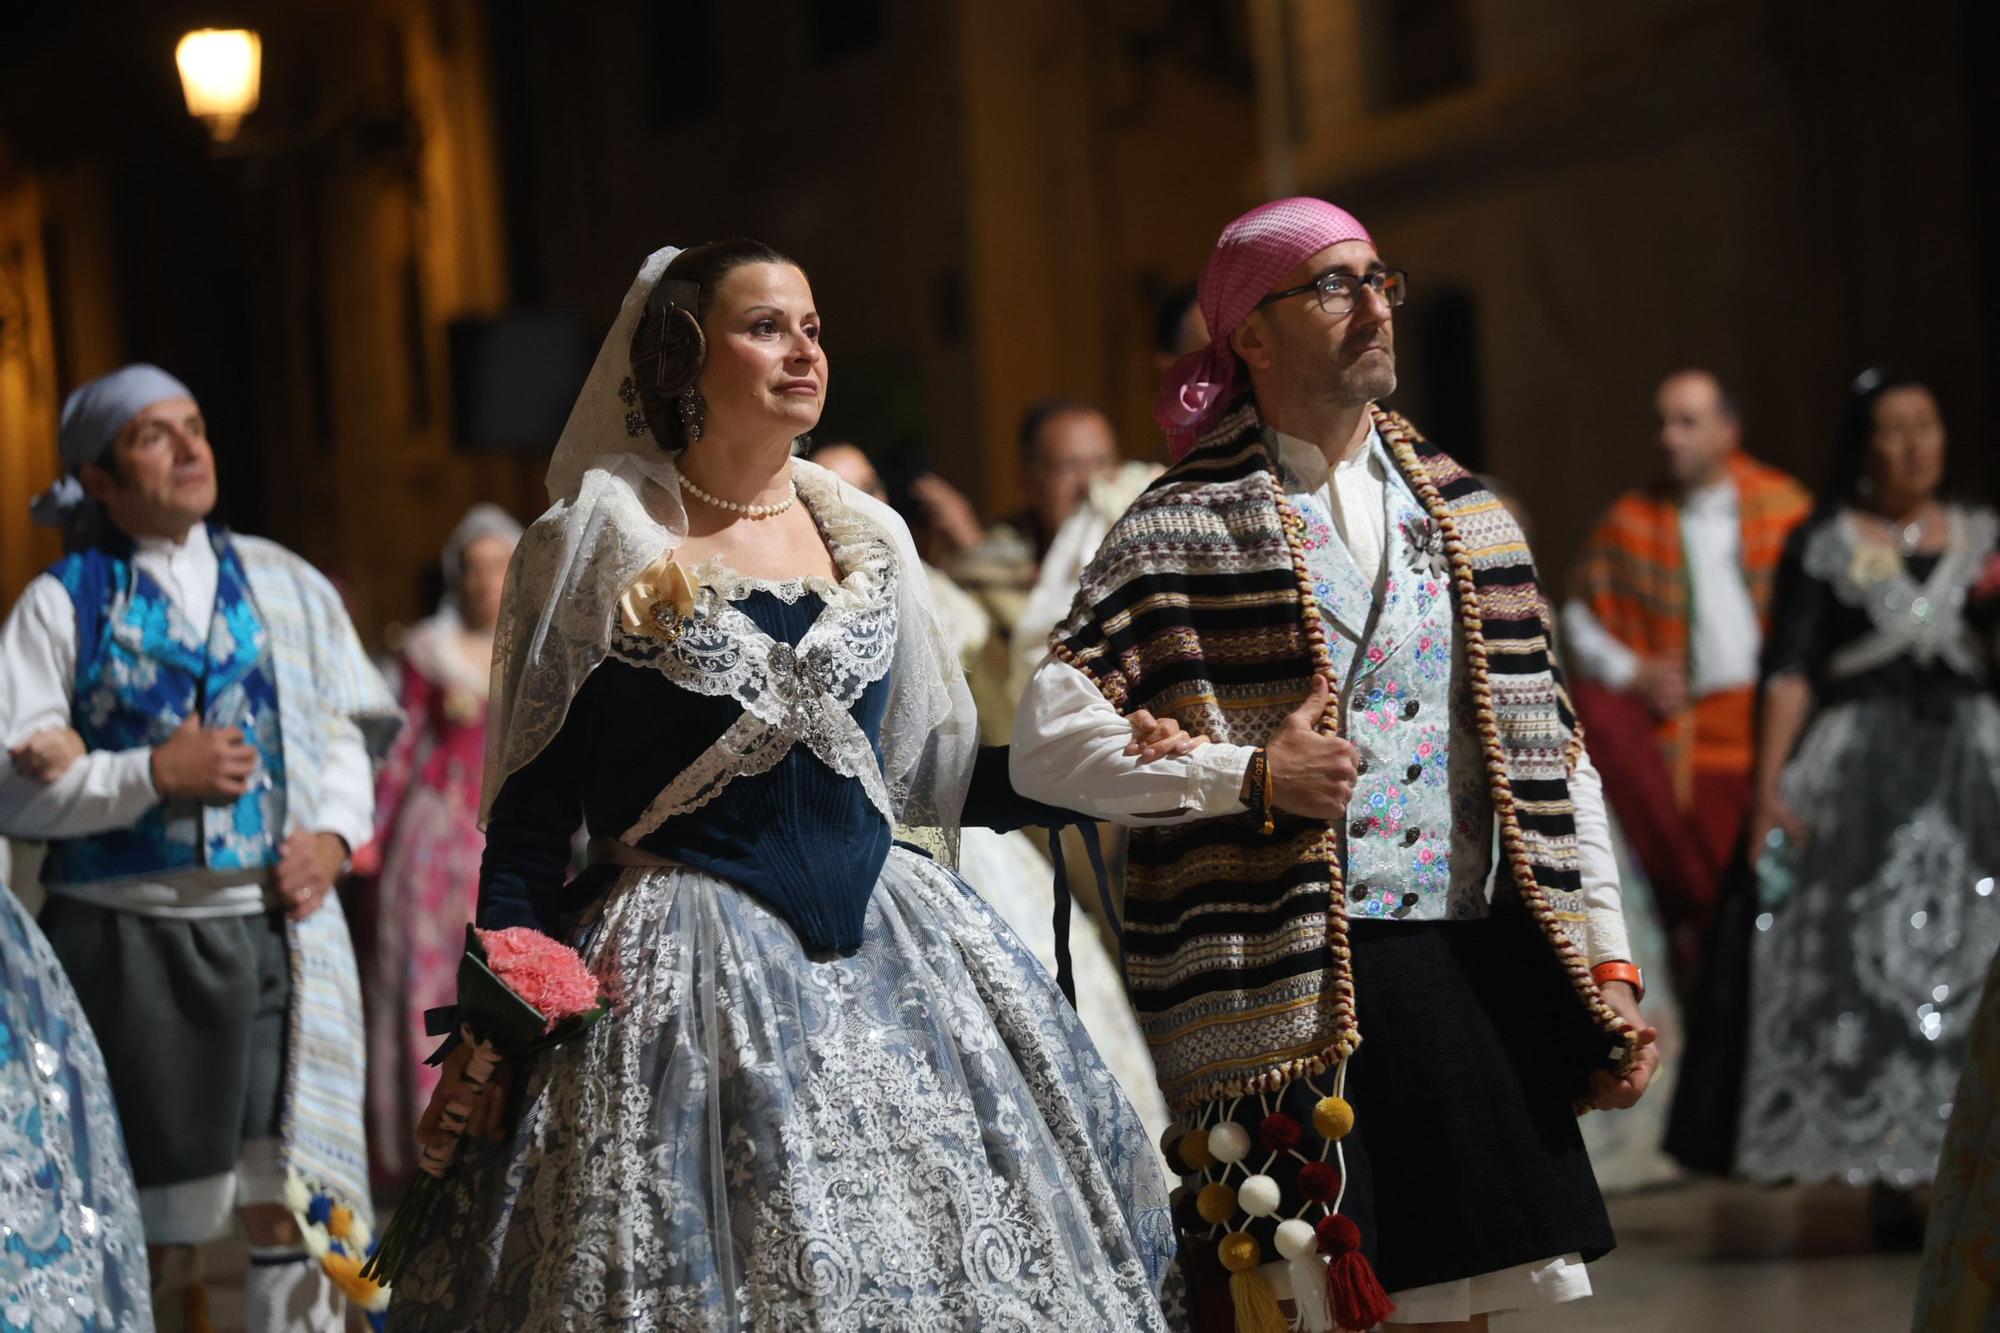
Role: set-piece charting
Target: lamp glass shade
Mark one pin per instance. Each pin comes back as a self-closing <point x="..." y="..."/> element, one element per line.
<point x="221" y="69"/>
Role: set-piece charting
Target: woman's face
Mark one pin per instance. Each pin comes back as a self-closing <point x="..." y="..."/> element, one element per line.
<point x="482" y="575"/>
<point x="765" y="369"/>
<point x="1906" y="453"/>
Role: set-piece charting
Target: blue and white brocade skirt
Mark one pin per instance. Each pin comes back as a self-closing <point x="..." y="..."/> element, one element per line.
<point x="918" y="1135"/>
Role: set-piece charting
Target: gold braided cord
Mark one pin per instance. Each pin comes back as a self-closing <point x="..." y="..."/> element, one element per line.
<point x="1398" y="435"/>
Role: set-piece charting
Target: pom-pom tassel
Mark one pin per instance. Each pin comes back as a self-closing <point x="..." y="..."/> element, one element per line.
<point x="1309" y="1295"/>
<point x="1355" y="1293"/>
<point x="1257" y="1309"/>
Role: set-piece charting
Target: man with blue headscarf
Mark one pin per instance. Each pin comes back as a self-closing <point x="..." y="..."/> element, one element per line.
<point x="226" y="714"/>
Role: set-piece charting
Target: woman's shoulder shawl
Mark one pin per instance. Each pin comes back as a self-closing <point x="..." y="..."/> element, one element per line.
<point x="1191" y="604"/>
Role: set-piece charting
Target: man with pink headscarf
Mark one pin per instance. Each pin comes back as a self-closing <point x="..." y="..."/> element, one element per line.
<point x="1360" y="790"/>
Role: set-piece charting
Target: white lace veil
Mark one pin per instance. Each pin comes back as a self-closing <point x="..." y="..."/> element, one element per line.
<point x="615" y="509"/>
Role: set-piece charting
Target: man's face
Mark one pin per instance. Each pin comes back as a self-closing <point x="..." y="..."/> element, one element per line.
<point x="1696" y="431"/>
<point x="847" y="462"/>
<point x="1346" y="359"/>
<point x="1072" y="450"/>
<point x="158" y="478"/>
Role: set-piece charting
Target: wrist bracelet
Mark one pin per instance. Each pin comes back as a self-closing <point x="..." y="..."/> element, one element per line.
<point x="1620" y="970"/>
<point x="1256" y="789"/>
<point x="1270" y="805"/>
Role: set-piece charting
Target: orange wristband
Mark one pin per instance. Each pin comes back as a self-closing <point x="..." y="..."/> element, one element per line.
<point x="1621" y="971"/>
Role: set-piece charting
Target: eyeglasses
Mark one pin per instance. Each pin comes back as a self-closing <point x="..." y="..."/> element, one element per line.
<point x="1339" y="291"/>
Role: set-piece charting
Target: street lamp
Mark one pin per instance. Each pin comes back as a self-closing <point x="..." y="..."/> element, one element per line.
<point x="220" y="69"/>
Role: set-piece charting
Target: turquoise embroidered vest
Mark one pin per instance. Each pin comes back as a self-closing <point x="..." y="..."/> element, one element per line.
<point x="141" y="670"/>
<point x="1417" y="841"/>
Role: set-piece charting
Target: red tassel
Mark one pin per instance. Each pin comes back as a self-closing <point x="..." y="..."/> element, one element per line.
<point x="1355" y="1293"/>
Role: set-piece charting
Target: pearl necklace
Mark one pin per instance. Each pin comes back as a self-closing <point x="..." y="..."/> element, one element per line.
<point x="748" y="511"/>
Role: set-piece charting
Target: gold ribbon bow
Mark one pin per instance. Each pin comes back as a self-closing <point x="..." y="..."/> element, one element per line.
<point x="659" y="600"/>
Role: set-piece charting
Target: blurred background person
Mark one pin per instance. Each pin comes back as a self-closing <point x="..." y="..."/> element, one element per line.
<point x="1178" y="327"/>
<point x="1667" y="609"/>
<point x="1065" y="446"/>
<point x="1878" y="800"/>
<point x="423" y="867"/>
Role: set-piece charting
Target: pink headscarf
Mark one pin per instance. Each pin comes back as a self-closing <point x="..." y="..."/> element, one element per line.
<point x="1250" y="256"/>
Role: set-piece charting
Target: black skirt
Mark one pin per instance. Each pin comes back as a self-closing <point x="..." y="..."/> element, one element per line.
<point x="1466" y="1156"/>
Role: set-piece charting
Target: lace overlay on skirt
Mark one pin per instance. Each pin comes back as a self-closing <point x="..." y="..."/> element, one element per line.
<point x="1865" y="981"/>
<point x="73" y="1259"/>
<point x="916" y="1136"/>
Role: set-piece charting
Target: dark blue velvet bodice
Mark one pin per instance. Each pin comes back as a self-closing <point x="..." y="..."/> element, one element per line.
<point x="803" y="839"/>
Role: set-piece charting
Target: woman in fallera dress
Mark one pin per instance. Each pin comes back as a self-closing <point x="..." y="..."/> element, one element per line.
<point x="1879" y="774"/>
<point x="424" y="862"/>
<point x="834" y="1092"/>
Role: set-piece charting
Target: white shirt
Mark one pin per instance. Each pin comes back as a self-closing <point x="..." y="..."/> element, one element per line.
<point x="1069" y="741"/>
<point x="1354" y="491"/>
<point x="1724" y="637"/>
<point x="111" y="789"/>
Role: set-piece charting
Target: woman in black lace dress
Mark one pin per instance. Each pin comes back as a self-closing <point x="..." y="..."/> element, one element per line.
<point x="1878" y="813"/>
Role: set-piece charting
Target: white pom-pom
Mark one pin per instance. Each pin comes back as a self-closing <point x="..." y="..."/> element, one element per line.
<point x="1229" y="1142"/>
<point x="1258" y="1196"/>
<point x="1296" y="1239"/>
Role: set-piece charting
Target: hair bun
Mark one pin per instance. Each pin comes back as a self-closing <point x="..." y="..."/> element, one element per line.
<point x="667" y="352"/>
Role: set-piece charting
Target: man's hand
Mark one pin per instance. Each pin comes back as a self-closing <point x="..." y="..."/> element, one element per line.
<point x="307" y="867"/>
<point x="1609" y="1091"/>
<point x="1311" y="774"/>
<point x="45" y="756"/>
<point x="1156" y="737"/>
<point x="1663" y="684"/>
<point x="951" y="515"/>
<point x="210" y="765"/>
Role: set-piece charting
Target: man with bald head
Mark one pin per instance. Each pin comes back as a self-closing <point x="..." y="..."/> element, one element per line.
<point x="188" y="721"/>
<point x="1347" y="621"/>
<point x="1664" y="625"/>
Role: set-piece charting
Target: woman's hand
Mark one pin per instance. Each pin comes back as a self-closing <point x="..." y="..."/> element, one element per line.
<point x="489" y="1116"/>
<point x="1158" y="737"/>
<point x="1618" y="1092"/>
<point x="1768" y="812"/>
<point x="45" y="756"/>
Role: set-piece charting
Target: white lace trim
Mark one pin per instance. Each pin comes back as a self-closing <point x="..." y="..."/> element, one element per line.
<point x="1924" y="619"/>
<point x="790" y="696"/>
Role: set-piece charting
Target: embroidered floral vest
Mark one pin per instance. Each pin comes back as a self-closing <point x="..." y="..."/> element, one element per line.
<point x="141" y="670"/>
<point x="1417" y="840"/>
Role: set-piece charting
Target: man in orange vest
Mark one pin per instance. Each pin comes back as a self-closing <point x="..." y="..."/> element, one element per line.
<point x="1666" y="618"/>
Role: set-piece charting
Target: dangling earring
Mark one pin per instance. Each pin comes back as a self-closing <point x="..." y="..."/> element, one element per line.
<point x="693" y="409"/>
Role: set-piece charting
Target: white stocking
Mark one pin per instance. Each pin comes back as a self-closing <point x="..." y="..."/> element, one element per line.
<point x="288" y="1292"/>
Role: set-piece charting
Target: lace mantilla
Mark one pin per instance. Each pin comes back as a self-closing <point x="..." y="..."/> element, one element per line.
<point x="790" y="696"/>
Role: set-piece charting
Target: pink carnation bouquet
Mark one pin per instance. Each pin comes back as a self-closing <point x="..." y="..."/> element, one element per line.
<point x="519" y="991"/>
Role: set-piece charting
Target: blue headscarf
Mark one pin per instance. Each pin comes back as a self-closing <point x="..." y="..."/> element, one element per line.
<point x="92" y="416"/>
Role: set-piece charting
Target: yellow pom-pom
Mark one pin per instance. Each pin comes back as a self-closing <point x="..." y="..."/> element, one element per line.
<point x="340" y="1221"/>
<point x="1216" y="1204"/>
<point x="1239" y="1251"/>
<point x="1333" y="1118"/>
<point x="1194" y="1150"/>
